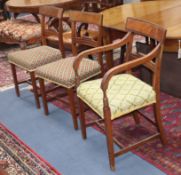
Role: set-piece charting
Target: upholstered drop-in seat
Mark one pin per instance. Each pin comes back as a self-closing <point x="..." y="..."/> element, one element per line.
<point x="126" y="93"/>
<point x="20" y="30"/>
<point x="30" y="59"/>
<point x="61" y="72"/>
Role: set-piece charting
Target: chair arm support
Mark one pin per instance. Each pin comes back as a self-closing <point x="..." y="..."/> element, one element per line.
<point x="117" y="44"/>
<point x="127" y="66"/>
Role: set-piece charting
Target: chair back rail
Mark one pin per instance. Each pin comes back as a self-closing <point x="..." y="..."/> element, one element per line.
<point x="51" y="11"/>
<point x="86" y="17"/>
<point x="148" y="29"/>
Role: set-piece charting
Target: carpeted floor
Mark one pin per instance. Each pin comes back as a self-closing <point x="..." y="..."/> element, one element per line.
<point x="168" y="157"/>
<point x="57" y="142"/>
<point x="19" y="158"/>
<point x="6" y="76"/>
<point x="54" y="139"/>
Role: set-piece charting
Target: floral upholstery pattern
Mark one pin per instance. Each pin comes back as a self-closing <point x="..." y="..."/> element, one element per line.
<point x="19" y="30"/>
<point x="126" y="93"/>
<point x="30" y="59"/>
<point x="62" y="73"/>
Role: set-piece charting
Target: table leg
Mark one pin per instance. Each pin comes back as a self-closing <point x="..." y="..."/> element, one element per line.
<point x="109" y="55"/>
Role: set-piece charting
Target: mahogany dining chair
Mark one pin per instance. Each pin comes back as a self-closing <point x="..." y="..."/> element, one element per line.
<point x="120" y="92"/>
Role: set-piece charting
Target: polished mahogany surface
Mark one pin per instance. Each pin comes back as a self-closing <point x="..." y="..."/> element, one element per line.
<point x="32" y="6"/>
<point x="34" y="3"/>
<point x="164" y="13"/>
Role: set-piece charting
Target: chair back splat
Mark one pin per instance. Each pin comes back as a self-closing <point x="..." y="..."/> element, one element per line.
<point x="120" y="92"/>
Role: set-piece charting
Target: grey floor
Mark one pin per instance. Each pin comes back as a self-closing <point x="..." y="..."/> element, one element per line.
<point x="54" y="138"/>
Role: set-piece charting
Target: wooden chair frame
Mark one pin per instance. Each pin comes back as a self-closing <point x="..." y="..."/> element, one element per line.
<point x="46" y="11"/>
<point x="152" y="61"/>
<point x="77" y="17"/>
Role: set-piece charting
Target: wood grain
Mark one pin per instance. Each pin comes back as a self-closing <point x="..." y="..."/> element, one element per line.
<point x="165" y="13"/>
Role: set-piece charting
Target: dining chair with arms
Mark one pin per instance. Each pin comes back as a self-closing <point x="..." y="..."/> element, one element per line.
<point x="119" y="92"/>
<point x="61" y="72"/>
<point x="30" y="59"/>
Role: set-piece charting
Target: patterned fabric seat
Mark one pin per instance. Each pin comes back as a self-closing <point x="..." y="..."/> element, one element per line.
<point x="23" y="32"/>
<point x="30" y="59"/>
<point x="20" y="30"/>
<point x="126" y="93"/>
<point x="62" y="73"/>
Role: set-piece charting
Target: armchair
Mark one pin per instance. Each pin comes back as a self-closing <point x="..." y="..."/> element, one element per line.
<point x="119" y="92"/>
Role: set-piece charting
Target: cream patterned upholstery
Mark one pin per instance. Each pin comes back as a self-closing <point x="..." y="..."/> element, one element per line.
<point x="126" y="93"/>
<point x="30" y="59"/>
<point x="20" y="30"/>
<point x="61" y="72"/>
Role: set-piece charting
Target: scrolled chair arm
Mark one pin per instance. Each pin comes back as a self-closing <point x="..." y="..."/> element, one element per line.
<point x="117" y="44"/>
<point x="128" y="66"/>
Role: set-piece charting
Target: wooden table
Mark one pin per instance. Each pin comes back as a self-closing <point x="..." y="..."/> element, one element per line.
<point x="164" y="13"/>
<point x="32" y="6"/>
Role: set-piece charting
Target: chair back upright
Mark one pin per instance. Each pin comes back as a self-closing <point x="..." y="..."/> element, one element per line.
<point x="51" y="25"/>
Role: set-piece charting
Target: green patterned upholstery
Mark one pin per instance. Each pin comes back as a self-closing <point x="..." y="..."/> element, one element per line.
<point x="126" y="93"/>
<point x="61" y="72"/>
<point x="30" y="59"/>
